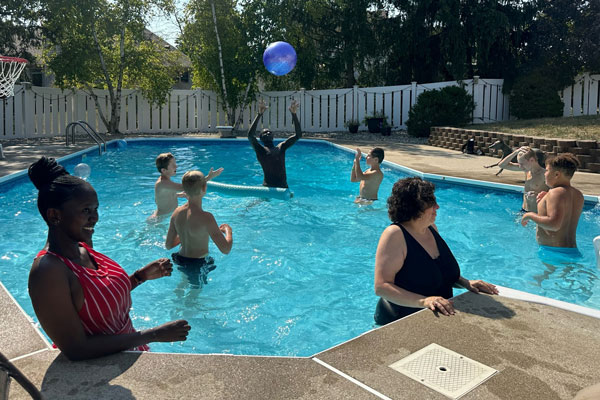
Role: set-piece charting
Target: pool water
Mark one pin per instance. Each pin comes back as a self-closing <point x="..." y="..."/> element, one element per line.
<point x="299" y="278"/>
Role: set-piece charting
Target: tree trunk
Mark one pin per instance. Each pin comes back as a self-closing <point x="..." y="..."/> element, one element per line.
<point x="228" y="111"/>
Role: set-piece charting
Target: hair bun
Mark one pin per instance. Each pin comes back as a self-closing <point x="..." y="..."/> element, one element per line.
<point x="44" y="171"/>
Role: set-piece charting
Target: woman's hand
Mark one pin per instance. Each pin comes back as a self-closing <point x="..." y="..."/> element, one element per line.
<point x="439" y="303"/>
<point x="156" y="269"/>
<point x="174" y="331"/>
<point x="481" y="286"/>
<point x="294" y="106"/>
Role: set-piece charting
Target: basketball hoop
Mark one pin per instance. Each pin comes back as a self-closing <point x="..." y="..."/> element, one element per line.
<point x="10" y="69"/>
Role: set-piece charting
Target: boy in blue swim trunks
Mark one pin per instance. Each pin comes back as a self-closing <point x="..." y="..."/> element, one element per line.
<point x="559" y="208"/>
<point x="191" y="227"/>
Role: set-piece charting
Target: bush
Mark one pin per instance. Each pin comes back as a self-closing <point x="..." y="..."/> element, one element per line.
<point x="449" y="106"/>
<point x="535" y="96"/>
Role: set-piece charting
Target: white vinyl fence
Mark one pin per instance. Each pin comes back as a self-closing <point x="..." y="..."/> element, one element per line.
<point x="582" y="98"/>
<point x="35" y="112"/>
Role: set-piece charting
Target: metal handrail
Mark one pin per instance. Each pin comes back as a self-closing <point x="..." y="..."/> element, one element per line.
<point x="87" y="129"/>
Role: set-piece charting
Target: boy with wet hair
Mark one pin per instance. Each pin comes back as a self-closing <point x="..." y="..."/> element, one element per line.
<point x="559" y="208"/>
<point x="166" y="192"/>
<point x="191" y="227"/>
<point x="369" y="179"/>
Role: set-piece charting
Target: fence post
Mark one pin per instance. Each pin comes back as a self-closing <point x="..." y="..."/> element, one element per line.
<point x="355" y="102"/>
<point x="413" y="94"/>
<point x="303" y="105"/>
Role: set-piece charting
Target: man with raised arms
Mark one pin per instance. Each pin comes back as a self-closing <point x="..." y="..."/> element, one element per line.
<point x="271" y="157"/>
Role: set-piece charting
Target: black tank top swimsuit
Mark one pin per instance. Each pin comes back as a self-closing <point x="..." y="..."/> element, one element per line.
<point x="420" y="274"/>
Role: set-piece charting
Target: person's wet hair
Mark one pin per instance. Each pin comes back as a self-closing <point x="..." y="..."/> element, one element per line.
<point x="162" y="161"/>
<point x="378" y="152"/>
<point x="193" y="183"/>
<point x="567" y="163"/>
<point x="409" y="198"/>
<point x="55" y="185"/>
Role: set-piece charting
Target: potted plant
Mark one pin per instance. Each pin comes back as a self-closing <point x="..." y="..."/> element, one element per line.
<point x="375" y="122"/>
<point x="352" y="125"/>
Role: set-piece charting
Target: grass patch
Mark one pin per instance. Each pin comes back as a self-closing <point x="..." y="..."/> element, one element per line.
<point x="585" y="127"/>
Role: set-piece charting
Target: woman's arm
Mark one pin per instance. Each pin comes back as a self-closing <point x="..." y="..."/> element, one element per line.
<point x="50" y="294"/>
<point x="389" y="260"/>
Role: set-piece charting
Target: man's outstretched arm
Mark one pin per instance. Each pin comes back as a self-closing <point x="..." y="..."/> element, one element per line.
<point x="252" y="131"/>
<point x="290" y="141"/>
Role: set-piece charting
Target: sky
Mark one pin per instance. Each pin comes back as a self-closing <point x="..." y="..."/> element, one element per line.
<point x="165" y="26"/>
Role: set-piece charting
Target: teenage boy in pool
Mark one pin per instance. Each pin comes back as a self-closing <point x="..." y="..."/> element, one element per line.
<point x="271" y="157"/>
<point x="558" y="210"/>
<point x="191" y="227"/>
<point x="166" y="191"/>
<point x="369" y="179"/>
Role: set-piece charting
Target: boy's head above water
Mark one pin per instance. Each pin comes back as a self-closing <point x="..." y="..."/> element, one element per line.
<point x="166" y="162"/>
<point x="194" y="183"/>
<point x="377" y="153"/>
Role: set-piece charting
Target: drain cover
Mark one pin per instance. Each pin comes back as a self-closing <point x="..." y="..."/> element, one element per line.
<point x="443" y="370"/>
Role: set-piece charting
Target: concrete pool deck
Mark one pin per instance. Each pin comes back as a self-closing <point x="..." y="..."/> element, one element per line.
<point x="540" y="351"/>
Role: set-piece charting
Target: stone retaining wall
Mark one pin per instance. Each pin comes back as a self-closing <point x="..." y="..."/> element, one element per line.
<point x="587" y="151"/>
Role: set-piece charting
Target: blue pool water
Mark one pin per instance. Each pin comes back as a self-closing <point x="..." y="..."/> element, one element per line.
<point x="300" y="276"/>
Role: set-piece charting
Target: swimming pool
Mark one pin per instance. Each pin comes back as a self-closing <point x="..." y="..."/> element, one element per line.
<point x="299" y="278"/>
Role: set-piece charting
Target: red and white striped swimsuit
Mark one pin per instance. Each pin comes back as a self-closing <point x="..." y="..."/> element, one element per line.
<point x="107" y="295"/>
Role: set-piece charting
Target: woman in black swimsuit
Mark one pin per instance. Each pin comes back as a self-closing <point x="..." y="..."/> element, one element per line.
<point x="414" y="267"/>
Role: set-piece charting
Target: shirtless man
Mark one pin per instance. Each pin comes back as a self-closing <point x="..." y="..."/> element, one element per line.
<point x="166" y="191"/>
<point x="532" y="162"/>
<point x="191" y="227"/>
<point x="369" y="179"/>
<point x="271" y="157"/>
<point x="558" y="209"/>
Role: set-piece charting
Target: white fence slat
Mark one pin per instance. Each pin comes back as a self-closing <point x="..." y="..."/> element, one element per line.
<point x="577" y="97"/>
<point x="593" y="95"/>
<point x="566" y="97"/>
<point x="9" y="106"/>
<point x="3" y="130"/>
<point x="29" y="114"/>
<point x="585" y="94"/>
<point x="19" y="120"/>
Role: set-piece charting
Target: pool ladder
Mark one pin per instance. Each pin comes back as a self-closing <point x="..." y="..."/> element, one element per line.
<point x="87" y="129"/>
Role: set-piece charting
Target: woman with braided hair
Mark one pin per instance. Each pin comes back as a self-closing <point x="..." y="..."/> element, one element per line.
<point x="81" y="297"/>
<point x="414" y="267"/>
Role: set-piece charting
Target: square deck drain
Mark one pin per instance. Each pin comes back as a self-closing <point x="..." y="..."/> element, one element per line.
<point x="443" y="370"/>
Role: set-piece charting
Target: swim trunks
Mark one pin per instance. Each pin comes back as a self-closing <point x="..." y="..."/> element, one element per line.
<point x="362" y="200"/>
<point x="558" y="255"/>
<point x="204" y="264"/>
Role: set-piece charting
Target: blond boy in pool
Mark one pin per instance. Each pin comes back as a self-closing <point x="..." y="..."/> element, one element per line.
<point x="369" y="179"/>
<point x="166" y="192"/>
<point x="191" y="226"/>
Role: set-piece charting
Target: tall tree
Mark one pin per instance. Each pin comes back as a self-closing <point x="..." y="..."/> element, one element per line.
<point x="222" y="59"/>
<point x="103" y="44"/>
<point x="19" y="30"/>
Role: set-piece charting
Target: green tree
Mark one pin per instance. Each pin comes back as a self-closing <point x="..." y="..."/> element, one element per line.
<point x="222" y="59"/>
<point x="18" y="27"/>
<point x="103" y="44"/>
